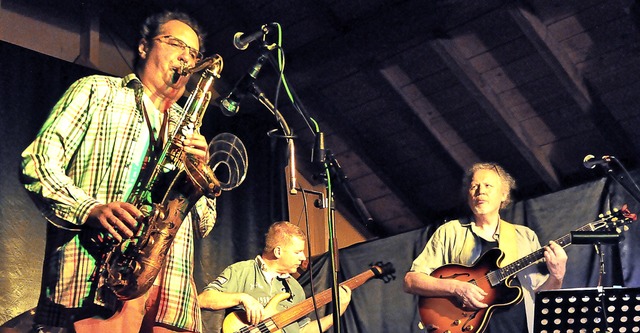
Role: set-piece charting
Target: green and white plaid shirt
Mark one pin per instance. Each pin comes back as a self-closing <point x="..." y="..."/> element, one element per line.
<point x="82" y="158"/>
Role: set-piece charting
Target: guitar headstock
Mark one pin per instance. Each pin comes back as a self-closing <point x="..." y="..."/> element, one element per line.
<point x="616" y="220"/>
<point x="383" y="271"/>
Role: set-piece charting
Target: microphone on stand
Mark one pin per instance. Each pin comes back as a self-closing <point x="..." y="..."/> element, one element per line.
<point x="230" y="105"/>
<point x="591" y="161"/>
<point x="625" y="179"/>
<point x="242" y="41"/>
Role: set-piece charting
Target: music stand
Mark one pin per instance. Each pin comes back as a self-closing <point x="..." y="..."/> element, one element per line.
<point x="613" y="309"/>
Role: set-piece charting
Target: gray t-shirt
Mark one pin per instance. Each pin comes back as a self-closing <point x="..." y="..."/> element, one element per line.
<point x="249" y="278"/>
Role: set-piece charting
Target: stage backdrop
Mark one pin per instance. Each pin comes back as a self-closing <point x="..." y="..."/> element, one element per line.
<point x="31" y="83"/>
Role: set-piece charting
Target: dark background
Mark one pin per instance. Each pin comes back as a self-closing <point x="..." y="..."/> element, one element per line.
<point x="409" y="93"/>
<point x="30" y="83"/>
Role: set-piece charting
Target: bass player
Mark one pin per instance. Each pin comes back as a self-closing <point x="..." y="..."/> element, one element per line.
<point x="487" y="187"/>
<point x="251" y="284"/>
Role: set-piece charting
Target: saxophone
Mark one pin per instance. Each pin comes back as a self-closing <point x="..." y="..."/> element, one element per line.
<point x="165" y="192"/>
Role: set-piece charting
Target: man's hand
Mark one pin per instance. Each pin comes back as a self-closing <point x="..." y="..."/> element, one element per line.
<point x="117" y="218"/>
<point x="470" y="295"/>
<point x="196" y="145"/>
<point x="345" y="298"/>
<point x="253" y="308"/>
<point x="556" y="259"/>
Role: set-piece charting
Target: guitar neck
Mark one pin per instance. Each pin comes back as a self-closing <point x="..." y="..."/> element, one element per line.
<point x="499" y="275"/>
<point x="301" y="309"/>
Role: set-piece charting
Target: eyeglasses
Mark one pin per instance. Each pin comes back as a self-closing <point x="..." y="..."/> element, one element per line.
<point x="179" y="44"/>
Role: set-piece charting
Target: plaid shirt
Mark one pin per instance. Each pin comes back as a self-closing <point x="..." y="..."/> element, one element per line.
<point x="80" y="159"/>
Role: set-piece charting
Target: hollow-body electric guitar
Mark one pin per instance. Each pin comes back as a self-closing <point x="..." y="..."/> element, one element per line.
<point x="446" y="314"/>
<point x="236" y="322"/>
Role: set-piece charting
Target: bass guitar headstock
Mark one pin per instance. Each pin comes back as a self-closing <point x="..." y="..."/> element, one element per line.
<point x="383" y="271"/>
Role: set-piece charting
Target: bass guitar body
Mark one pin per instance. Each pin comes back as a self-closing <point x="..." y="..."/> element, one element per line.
<point x="237" y="321"/>
<point x="446" y="314"/>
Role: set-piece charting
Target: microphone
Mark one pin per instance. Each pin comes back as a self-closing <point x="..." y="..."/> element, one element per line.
<point x="318" y="152"/>
<point x="591" y="161"/>
<point x="230" y="105"/>
<point x="241" y="42"/>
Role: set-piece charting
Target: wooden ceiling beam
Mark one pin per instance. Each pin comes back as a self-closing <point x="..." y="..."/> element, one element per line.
<point x="428" y="114"/>
<point x="565" y="70"/>
<point x="553" y="54"/>
<point x="490" y="102"/>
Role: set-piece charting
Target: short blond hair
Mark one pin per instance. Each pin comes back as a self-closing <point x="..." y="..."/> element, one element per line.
<point x="508" y="183"/>
<point x="281" y="233"/>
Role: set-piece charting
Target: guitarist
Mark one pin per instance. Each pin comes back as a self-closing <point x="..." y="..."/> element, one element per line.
<point x="252" y="283"/>
<point x="487" y="187"/>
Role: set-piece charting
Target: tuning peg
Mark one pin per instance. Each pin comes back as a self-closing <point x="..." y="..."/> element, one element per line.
<point x="625" y="228"/>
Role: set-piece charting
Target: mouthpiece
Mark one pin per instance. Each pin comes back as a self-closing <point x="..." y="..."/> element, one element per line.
<point x="178" y="72"/>
<point x="176" y="76"/>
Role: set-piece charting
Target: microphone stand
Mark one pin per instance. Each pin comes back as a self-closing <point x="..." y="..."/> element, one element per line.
<point x="597" y="239"/>
<point x="632" y="188"/>
<point x="329" y="162"/>
<point x="259" y="95"/>
<point x="346" y="186"/>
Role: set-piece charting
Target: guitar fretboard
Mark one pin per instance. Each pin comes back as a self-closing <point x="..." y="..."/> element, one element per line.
<point x="497" y="276"/>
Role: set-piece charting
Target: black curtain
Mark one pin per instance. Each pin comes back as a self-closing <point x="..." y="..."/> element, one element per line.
<point x="31" y="83"/>
<point x="379" y="306"/>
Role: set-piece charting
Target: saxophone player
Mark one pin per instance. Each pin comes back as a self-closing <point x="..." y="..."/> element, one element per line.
<point x="83" y="165"/>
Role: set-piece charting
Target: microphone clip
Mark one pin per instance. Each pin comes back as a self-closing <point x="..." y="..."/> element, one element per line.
<point x="591" y="161"/>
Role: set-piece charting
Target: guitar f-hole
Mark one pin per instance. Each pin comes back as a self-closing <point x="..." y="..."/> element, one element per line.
<point x="454" y="276"/>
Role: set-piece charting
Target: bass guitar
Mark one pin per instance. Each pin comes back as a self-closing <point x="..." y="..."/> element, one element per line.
<point x="446" y="314"/>
<point x="236" y="322"/>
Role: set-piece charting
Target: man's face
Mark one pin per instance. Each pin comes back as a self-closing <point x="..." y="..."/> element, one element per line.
<point x="292" y="255"/>
<point x="486" y="192"/>
<point x="174" y="47"/>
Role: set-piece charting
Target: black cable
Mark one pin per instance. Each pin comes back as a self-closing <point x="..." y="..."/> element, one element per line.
<point x="313" y="293"/>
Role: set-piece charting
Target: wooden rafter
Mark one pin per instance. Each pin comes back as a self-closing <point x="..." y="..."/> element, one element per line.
<point x="427" y="113"/>
<point x="489" y="102"/>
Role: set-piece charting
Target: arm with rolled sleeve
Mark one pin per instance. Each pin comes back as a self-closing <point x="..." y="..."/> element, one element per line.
<point x="46" y="161"/>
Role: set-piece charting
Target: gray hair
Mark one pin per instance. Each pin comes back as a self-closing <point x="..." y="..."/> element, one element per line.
<point x="508" y="183"/>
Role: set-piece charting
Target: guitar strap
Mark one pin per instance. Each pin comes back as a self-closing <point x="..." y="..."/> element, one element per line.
<point x="287" y="289"/>
<point x="508" y="243"/>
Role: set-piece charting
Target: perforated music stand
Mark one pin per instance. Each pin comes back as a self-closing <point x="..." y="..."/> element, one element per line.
<point x="600" y="309"/>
